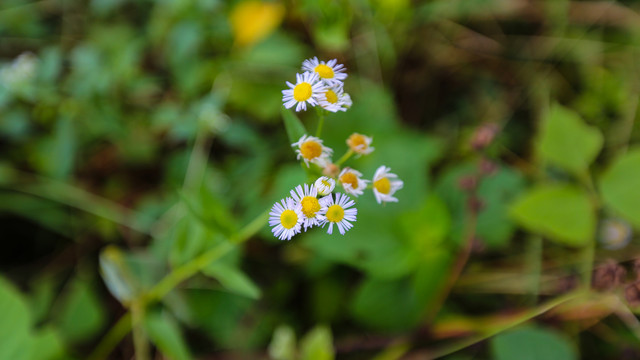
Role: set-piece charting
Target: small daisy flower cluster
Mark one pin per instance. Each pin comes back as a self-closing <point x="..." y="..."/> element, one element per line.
<point x="316" y="204"/>
<point x="321" y="84"/>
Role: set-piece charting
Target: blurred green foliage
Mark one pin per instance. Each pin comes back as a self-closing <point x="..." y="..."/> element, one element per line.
<point x="143" y="141"/>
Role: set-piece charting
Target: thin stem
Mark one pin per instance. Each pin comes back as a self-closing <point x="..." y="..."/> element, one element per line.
<point x="587" y="257"/>
<point x="524" y="318"/>
<point x="344" y="157"/>
<point x="534" y="265"/>
<point x="113" y="337"/>
<point x="140" y="343"/>
<point x="320" y="122"/>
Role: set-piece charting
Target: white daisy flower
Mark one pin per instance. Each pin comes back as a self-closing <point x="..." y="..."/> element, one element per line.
<point x="334" y="99"/>
<point x="305" y="91"/>
<point x="310" y="149"/>
<point x="325" y="185"/>
<point x="308" y="199"/>
<point x="351" y="181"/>
<point x="384" y="186"/>
<point x="360" y="144"/>
<point x="338" y="212"/>
<point x="285" y="218"/>
<point x="330" y="72"/>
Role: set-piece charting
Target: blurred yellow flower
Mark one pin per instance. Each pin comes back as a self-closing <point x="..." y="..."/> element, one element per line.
<point x="252" y="21"/>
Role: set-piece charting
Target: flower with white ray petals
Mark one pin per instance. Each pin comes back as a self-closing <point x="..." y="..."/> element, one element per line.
<point x="360" y="144"/>
<point x="338" y="212"/>
<point x="325" y="185"/>
<point x="308" y="199"/>
<point x="285" y="219"/>
<point x="385" y="185"/>
<point x="351" y="181"/>
<point x="330" y="72"/>
<point x="334" y="99"/>
<point x="305" y="90"/>
<point x="310" y="149"/>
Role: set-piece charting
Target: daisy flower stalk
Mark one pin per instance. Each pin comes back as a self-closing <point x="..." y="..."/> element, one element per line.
<point x="325" y="185"/>
<point x="351" y="181"/>
<point x="330" y="72"/>
<point x="310" y="149"/>
<point x="305" y="90"/>
<point x="286" y="219"/>
<point x="338" y="212"/>
<point x="307" y="197"/>
<point x="385" y="184"/>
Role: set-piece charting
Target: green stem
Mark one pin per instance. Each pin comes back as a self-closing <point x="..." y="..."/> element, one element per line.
<point x="344" y="157"/>
<point x="113" y="337"/>
<point x="524" y="318"/>
<point x="586" y="263"/>
<point x="534" y="265"/>
<point x="140" y="343"/>
<point x="320" y="122"/>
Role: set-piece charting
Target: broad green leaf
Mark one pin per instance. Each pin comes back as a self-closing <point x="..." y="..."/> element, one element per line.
<point x="566" y="141"/>
<point x="164" y="332"/>
<point x="317" y="344"/>
<point x="283" y="344"/>
<point x="619" y="186"/>
<point x="563" y="213"/>
<point x="15" y="325"/>
<point x="81" y="314"/>
<point x="531" y="343"/>
<point x="233" y="279"/>
<point x="46" y="345"/>
<point x="292" y="124"/>
<point x="427" y="227"/>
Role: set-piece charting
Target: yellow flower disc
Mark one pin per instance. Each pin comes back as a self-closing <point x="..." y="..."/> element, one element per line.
<point x="302" y="92"/>
<point x="357" y="142"/>
<point x="331" y="96"/>
<point x="351" y="179"/>
<point x="252" y="21"/>
<point x="310" y="206"/>
<point x="310" y="149"/>
<point x="383" y="185"/>
<point x="288" y="219"/>
<point x="324" y="71"/>
<point x="335" y="213"/>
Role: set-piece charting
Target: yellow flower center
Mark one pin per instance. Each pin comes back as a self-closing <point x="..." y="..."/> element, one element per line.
<point x="288" y="219"/>
<point x="357" y="142"/>
<point x="335" y="213"/>
<point x="351" y="179"/>
<point x="310" y="149"/>
<point x="302" y="92"/>
<point x="325" y="183"/>
<point x="331" y="96"/>
<point x="383" y="185"/>
<point x="324" y="71"/>
<point x="310" y="206"/>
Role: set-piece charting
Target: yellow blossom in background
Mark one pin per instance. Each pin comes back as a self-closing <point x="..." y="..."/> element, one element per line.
<point x="252" y="21"/>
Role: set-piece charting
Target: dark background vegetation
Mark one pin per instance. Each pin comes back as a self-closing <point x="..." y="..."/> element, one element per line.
<point x="141" y="143"/>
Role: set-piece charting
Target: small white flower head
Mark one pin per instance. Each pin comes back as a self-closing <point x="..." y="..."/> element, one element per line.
<point x="310" y="149"/>
<point x="385" y="185"/>
<point x="351" y="181"/>
<point x="360" y="144"/>
<point x="338" y="212"/>
<point x="285" y="219"/>
<point x="21" y="71"/>
<point x="333" y="98"/>
<point x="308" y="199"/>
<point x="325" y="185"/>
<point x="306" y="90"/>
<point x="615" y="234"/>
<point x="331" y="73"/>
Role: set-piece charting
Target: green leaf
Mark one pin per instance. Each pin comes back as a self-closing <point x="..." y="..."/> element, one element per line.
<point x="619" y="186"/>
<point x="283" y="344"/>
<point x="566" y="141"/>
<point x="47" y="345"/>
<point x="81" y="315"/>
<point x="531" y="344"/>
<point x="563" y="213"/>
<point x="427" y="227"/>
<point x="292" y="124"/>
<point x="317" y="344"/>
<point x="233" y="279"/>
<point x="15" y="324"/>
<point x="164" y="332"/>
